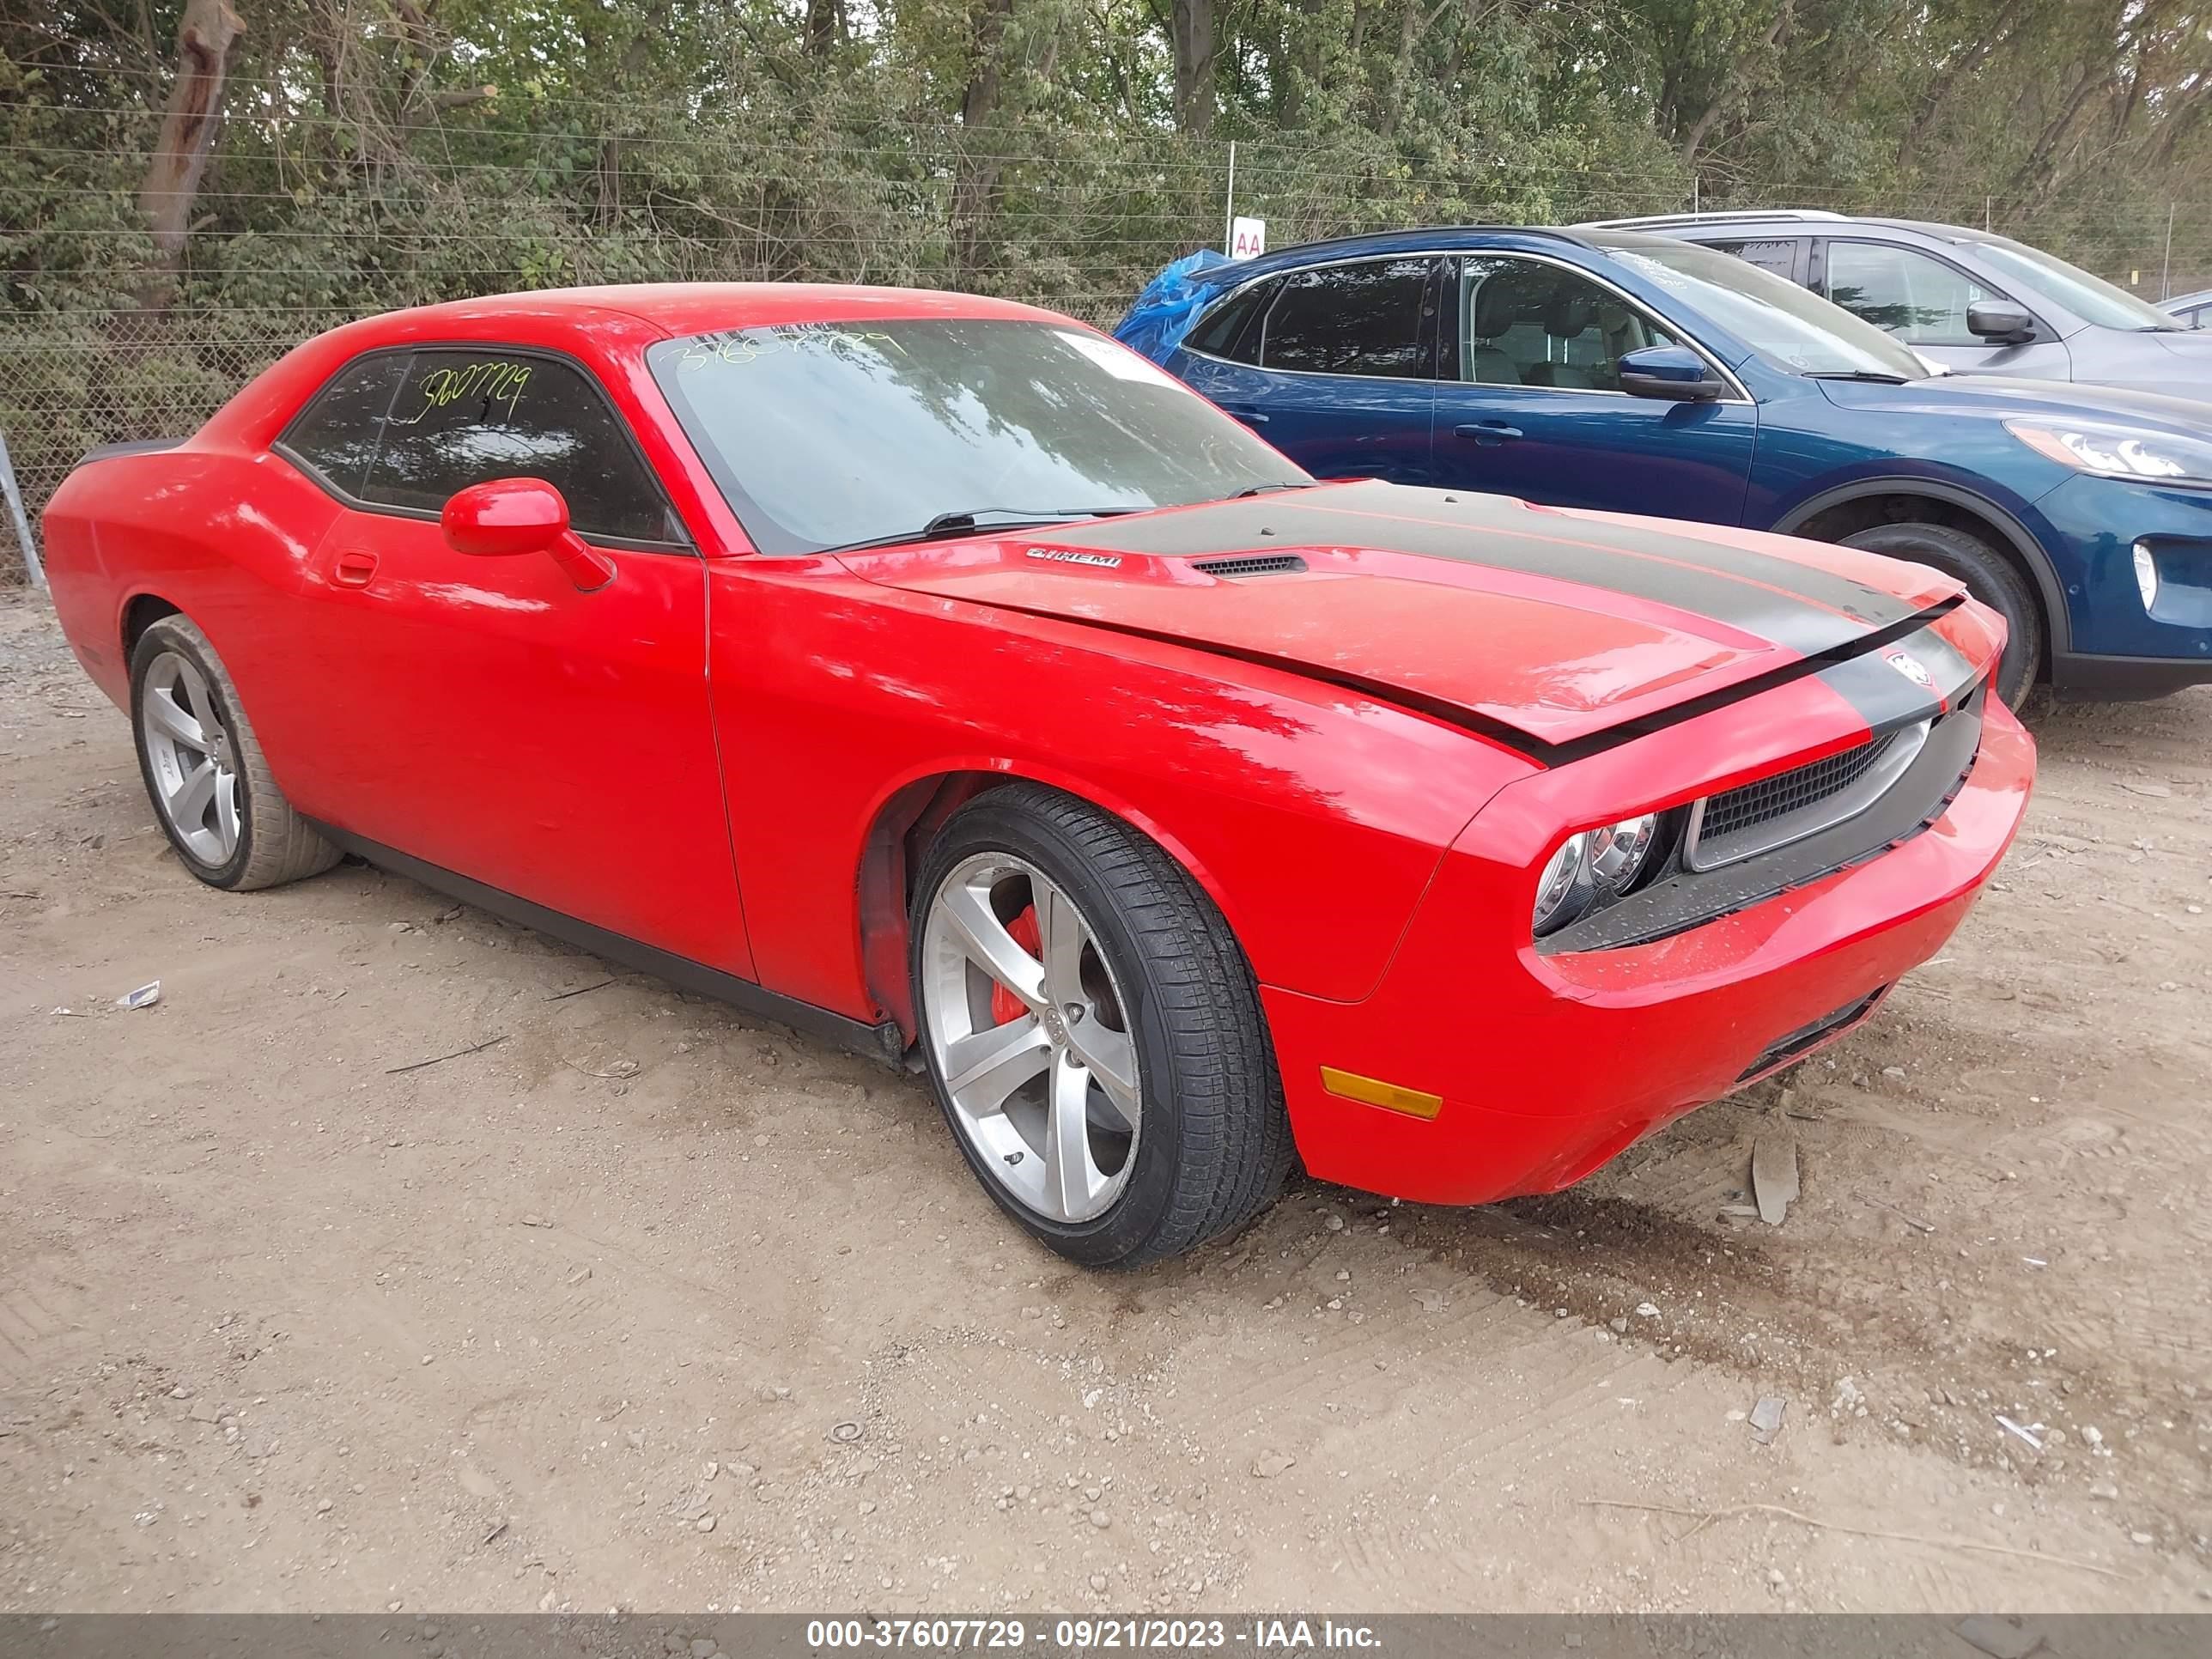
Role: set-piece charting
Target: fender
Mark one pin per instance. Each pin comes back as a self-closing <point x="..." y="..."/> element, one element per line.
<point x="919" y="798"/>
<point x="1008" y="769"/>
<point x="2023" y="541"/>
<point x="880" y="916"/>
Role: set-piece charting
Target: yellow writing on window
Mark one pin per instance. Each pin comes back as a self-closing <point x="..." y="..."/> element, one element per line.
<point x="499" y="384"/>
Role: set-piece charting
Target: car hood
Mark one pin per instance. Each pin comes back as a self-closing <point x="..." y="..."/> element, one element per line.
<point x="1549" y="626"/>
<point x="2192" y="345"/>
<point x="1988" y="397"/>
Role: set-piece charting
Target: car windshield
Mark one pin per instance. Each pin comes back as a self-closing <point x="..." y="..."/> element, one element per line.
<point x="828" y="435"/>
<point x="1782" y="321"/>
<point x="2090" y="298"/>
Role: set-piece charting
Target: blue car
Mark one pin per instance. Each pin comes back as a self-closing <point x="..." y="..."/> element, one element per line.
<point x="1627" y="373"/>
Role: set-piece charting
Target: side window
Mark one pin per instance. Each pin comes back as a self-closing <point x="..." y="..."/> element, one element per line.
<point x="1227" y="331"/>
<point x="1524" y="323"/>
<point x="1362" y="319"/>
<point x="462" y="417"/>
<point x="1778" y="256"/>
<point x="1920" y="299"/>
<point x="336" y="433"/>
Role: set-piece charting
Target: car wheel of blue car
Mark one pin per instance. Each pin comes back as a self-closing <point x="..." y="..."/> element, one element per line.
<point x="1988" y="576"/>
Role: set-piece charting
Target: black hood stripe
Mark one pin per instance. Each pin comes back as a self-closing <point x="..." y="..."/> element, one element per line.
<point x="1879" y="684"/>
<point x="1690" y="708"/>
<point x="1683" y="549"/>
<point x="1504" y="732"/>
<point x="1758" y="609"/>
<point x="1798" y="607"/>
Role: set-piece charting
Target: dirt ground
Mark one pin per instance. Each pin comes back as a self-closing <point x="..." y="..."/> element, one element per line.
<point x="652" y="1307"/>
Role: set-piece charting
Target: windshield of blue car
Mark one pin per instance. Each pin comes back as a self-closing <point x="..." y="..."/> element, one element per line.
<point x="824" y="436"/>
<point x="1794" y="328"/>
<point x="2092" y="299"/>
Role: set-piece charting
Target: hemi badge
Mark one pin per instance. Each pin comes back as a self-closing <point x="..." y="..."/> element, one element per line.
<point x="1373" y="1092"/>
<point x="1061" y="555"/>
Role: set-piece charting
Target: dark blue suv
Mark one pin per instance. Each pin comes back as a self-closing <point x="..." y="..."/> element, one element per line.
<point x="1611" y="370"/>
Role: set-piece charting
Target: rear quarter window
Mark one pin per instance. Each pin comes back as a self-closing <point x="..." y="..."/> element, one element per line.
<point x="336" y="433"/>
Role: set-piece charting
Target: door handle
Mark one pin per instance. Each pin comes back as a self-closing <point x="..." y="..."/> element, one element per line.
<point x="1488" y="432"/>
<point x="354" y="568"/>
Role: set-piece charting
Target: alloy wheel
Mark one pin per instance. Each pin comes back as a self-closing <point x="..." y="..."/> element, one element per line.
<point x="191" y="757"/>
<point x="1031" y="1036"/>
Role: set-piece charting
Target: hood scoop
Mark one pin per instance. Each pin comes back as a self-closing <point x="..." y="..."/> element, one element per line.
<point x="1255" y="564"/>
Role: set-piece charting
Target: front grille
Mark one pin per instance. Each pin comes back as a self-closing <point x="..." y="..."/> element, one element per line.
<point x="1781" y="1050"/>
<point x="1910" y="786"/>
<point x="1787" y="791"/>
<point x="1257" y="564"/>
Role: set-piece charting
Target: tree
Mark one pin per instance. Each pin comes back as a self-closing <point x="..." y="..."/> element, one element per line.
<point x="1191" y="31"/>
<point x="190" y="122"/>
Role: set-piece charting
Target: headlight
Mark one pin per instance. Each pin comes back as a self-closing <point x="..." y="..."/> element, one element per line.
<point x="1559" y="882"/>
<point x="2120" y="452"/>
<point x="1591" y="868"/>
<point x="1617" y="851"/>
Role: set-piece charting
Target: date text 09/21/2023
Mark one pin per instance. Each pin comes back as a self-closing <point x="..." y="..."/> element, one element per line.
<point x="1087" y="1634"/>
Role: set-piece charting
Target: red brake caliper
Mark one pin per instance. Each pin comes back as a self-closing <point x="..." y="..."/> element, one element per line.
<point x="1006" y="1007"/>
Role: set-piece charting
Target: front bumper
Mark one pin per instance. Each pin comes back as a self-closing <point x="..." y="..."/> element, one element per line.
<point x="1547" y="1066"/>
<point x="2078" y="677"/>
<point x="2115" y="645"/>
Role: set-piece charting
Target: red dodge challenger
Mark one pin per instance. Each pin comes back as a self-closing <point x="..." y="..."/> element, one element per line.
<point x="932" y="674"/>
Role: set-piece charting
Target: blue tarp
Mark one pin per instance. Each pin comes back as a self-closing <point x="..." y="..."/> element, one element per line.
<point x="1170" y="302"/>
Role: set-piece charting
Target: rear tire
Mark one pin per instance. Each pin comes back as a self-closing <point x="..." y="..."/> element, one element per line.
<point x="1989" y="577"/>
<point x="204" y="770"/>
<point x="1105" y="951"/>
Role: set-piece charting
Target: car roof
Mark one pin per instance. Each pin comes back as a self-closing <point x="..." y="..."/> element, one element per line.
<point x="1718" y="216"/>
<point x="1741" y="218"/>
<point x="679" y="308"/>
<point x="1422" y="239"/>
<point x="1932" y="227"/>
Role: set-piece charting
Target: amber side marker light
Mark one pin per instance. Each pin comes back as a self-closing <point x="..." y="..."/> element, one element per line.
<point x="1373" y="1092"/>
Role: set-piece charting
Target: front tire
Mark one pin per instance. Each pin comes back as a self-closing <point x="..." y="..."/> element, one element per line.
<point x="204" y="770"/>
<point x="1988" y="576"/>
<point x="1092" y="1031"/>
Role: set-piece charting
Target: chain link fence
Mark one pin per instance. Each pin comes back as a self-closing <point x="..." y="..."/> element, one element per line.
<point x="1063" y="220"/>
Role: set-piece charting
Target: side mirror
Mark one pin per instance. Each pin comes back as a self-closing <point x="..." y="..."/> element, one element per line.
<point x="2000" y="322"/>
<point x="1670" y="372"/>
<point x="506" y="517"/>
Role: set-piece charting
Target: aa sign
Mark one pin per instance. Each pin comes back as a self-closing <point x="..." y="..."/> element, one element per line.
<point x="1248" y="238"/>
